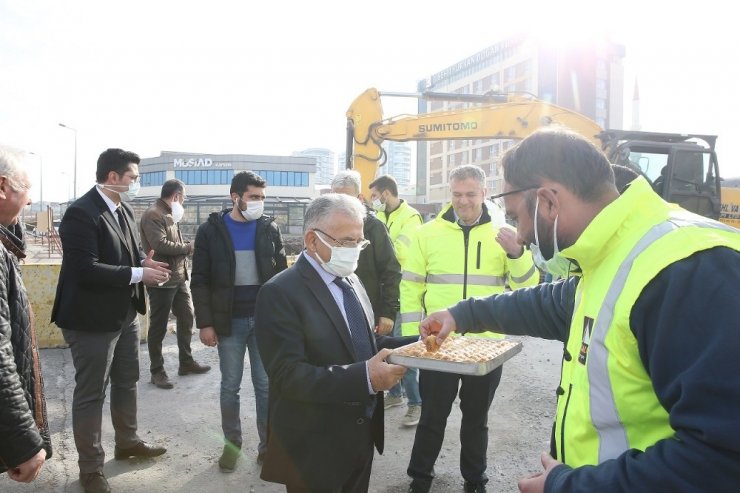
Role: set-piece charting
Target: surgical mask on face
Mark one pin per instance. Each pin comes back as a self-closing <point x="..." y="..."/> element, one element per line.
<point x="128" y="195"/>
<point x="558" y="265"/>
<point x="378" y="205"/>
<point x="177" y="211"/>
<point x="254" y="210"/>
<point x="343" y="261"/>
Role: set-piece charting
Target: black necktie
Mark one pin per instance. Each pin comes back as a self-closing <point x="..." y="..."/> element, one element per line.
<point x="124" y="229"/>
<point x="356" y="320"/>
<point x="122" y="223"/>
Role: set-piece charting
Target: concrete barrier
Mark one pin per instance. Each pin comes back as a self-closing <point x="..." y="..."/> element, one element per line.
<point x="41" y="284"/>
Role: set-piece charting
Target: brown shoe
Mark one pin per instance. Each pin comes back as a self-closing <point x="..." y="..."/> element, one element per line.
<point x="94" y="482"/>
<point x="193" y="366"/>
<point x="161" y="380"/>
<point x="141" y="449"/>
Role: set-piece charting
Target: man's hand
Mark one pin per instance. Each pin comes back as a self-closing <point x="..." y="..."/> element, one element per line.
<point x="208" y="336"/>
<point x="154" y="277"/>
<point x="535" y="483"/>
<point x="439" y="323"/>
<point x="155" y="273"/>
<point x="384" y="327"/>
<point x="27" y="472"/>
<point x="154" y="264"/>
<point x="506" y="237"/>
<point x="383" y="375"/>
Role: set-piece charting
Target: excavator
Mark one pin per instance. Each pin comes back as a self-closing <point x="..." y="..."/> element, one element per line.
<point x="682" y="168"/>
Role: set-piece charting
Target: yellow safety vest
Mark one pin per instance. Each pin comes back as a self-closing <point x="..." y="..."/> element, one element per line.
<point x="402" y="224"/>
<point x="606" y="402"/>
<point x="443" y="268"/>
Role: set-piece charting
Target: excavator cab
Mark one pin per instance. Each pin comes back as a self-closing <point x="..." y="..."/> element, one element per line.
<point x="683" y="169"/>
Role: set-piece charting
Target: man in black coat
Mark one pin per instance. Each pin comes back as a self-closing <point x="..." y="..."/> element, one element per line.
<point x="99" y="293"/>
<point x="378" y="267"/>
<point x="236" y="251"/>
<point x="326" y="373"/>
<point x="24" y="432"/>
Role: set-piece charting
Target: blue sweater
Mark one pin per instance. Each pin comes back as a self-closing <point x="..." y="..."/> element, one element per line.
<point x="687" y="326"/>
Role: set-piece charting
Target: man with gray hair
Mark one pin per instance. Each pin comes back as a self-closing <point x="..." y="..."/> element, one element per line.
<point x="378" y="267"/>
<point x="326" y="367"/>
<point x="458" y="255"/>
<point x="24" y="432"/>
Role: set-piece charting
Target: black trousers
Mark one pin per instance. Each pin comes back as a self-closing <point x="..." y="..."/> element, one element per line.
<point x="359" y="480"/>
<point x="161" y="302"/>
<point x="438" y="391"/>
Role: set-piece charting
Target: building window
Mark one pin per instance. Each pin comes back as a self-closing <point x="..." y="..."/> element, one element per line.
<point x="205" y="177"/>
<point x="152" y="179"/>
<point x="284" y="178"/>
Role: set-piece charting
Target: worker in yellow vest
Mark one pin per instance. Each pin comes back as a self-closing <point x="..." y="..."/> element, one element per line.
<point x="402" y="220"/>
<point x="458" y="255"/>
<point x="649" y="398"/>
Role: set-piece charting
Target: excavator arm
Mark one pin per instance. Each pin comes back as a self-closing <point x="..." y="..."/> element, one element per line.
<point x="511" y="117"/>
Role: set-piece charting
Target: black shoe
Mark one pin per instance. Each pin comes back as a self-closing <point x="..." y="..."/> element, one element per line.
<point x="475" y="487"/>
<point x="189" y="367"/>
<point x="94" y="482"/>
<point x="227" y="462"/>
<point x="161" y="380"/>
<point x="418" y="486"/>
<point x="141" y="449"/>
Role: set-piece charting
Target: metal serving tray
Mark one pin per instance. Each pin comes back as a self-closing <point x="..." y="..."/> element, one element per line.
<point x="470" y="368"/>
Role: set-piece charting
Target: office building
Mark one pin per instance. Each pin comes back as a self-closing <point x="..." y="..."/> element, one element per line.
<point x="587" y="78"/>
<point x="290" y="184"/>
<point x="324" y="163"/>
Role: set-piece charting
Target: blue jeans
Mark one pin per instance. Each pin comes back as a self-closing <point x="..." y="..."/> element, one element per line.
<point x="410" y="381"/>
<point x="231" y="350"/>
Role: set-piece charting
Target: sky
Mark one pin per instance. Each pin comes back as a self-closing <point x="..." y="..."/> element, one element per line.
<point x="276" y="77"/>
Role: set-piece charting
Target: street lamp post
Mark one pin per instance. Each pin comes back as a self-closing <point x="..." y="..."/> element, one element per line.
<point x="41" y="180"/>
<point x="74" y="191"/>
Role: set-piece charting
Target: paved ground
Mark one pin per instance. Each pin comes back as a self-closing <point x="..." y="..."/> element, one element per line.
<point x="186" y="420"/>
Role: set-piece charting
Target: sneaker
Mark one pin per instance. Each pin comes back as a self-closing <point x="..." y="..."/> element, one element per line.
<point x="392" y="401"/>
<point x="161" y="380"/>
<point x="227" y="462"/>
<point x="413" y="413"/>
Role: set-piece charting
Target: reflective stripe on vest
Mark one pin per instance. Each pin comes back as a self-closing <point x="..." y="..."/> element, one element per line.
<point x="524" y="277"/>
<point x="604" y="416"/>
<point x="407" y="275"/>
<point x="411" y="317"/>
<point x="479" y="279"/>
<point x="404" y="239"/>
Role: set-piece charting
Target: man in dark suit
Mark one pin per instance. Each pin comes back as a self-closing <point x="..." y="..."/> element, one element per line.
<point x="100" y="290"/>
<point x="326" y="374"/>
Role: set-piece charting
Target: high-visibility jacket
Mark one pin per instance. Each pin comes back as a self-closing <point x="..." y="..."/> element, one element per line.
<point x="606" y="402"/>
<point x="445" y="265"/>
<point x="402" y="224"/>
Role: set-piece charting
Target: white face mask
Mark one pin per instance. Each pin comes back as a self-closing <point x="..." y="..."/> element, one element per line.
<point x="254" y="210"/>
<point x="558" y="265"/>
<point x="343" y="261"/>
<point x="128" y="195"/>
<point x="378" y="205"/>
<point x="177" y="211"/>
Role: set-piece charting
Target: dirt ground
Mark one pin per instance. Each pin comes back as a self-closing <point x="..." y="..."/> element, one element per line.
<point x="186" y="420"/>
